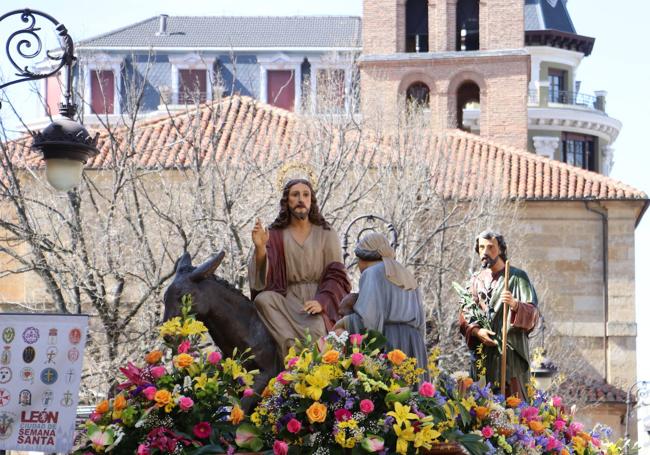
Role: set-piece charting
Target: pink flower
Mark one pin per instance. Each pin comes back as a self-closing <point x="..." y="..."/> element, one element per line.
<point x="149" y="392"/>
<point x="529" y="413"/>
<point x="553" y="443"/>
<point x="487" y="432"/>
<point x="95" y="417"/>
<point x="557" y="401"/>
<point x="143" y="450"/>
<point x="157" y="372"/>
<point x="342" y="415"/>
<point x="280" y="448"/>
<point x="427" y="389"/>
<point x="248" y="392"/>
<point x="280" y="378"/>
<point x="294" y="426"/>
<point x="559" y="425"/>
<point x="357" y="359"/>
<point x="185" y="403"/>
<point x="356" y="339"/>
<point x="366" y="406"/>
<point x="575" y="428"/>
<point x="292" y="361"/>
<point x="214" y="357"/>
<point x="202" y="430"/>
<point x="184" y="347"/>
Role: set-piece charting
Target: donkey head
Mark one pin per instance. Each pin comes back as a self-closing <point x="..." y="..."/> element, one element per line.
<point x="191" y="280"/>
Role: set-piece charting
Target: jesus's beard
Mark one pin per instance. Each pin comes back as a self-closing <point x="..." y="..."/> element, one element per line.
<point x="299" y="215"/>
<point x="487" y="262"/>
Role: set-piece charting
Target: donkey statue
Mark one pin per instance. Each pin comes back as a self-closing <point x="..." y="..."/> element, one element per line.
<point x="230" y="316"/>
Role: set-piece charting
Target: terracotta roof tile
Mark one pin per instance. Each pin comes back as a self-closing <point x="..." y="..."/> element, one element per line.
<point x="468" y="163"/>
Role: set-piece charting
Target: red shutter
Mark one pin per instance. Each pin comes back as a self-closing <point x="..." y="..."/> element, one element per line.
<point x="191" y="83"/>
<point x="102" y="88"/>
<point x="280" y="86"/>
<point x="52" y="94"/>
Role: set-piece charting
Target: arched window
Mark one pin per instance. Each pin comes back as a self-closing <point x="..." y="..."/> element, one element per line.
<point x="468" y="103"/>
<point x="467" y="25"/>
<point x="418" y="95"/>
<point x="417" y="26"/>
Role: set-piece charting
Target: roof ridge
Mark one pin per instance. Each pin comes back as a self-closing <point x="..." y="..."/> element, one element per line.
<point x="115" y="31"/>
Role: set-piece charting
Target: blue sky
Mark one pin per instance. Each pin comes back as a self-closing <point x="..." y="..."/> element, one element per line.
<point x="620" y="64"/>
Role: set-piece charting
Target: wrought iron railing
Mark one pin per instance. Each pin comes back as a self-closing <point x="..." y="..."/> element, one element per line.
<point x="565" y="97"/>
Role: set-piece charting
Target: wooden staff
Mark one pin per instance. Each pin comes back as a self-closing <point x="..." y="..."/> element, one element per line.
<point x="504" y="333"/>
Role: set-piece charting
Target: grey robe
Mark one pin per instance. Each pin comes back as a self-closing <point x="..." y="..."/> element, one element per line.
<point x="391" y="310"/>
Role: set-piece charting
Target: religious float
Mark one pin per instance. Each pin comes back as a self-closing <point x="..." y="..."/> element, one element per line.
<point x="340" y="395"/>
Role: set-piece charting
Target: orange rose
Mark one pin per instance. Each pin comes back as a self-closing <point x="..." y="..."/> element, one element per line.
<point x="236" y="415"/>
<point x="564" y="452"/>
<point x="536" y="426"/>
<point x="102" y="408"/>
<point x="396" y="356"/>
<point x="162" y="397"/>
<point x="119" y="403"/>
<point x="317" y="412"/>
<point x="482" y="412"/>
<point x="183" y="360"/>
<point x="331" y="357"/>
<point x="153" y="357"/>
<point x="467" y="382"/>
<point x="513" y="402"/>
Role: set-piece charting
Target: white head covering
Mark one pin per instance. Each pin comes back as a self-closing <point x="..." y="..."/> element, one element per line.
<point x="396" y="273"/>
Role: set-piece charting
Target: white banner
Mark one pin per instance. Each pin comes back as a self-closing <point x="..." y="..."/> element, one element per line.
<point x="41" y="359"/>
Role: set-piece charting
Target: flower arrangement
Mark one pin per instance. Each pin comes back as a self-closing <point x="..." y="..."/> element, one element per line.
<point x="341" y="395"/>
<point x="179" y="399"/>
<point x="345" y="396"/>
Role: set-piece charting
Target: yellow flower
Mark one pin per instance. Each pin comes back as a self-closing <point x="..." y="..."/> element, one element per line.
<point x="183" y="360"/>
<point x="236" y="415"/>
<point x="316" y="412"/>
<point x="201" y="381"/>
<point x="396" y="356"/>
<point x="331" y="357"/>
<point x="404" y="435"/>
<point x="402" y="413"/>
<point x="536" y="426"/>
<point x="425" y="437"/>
<point x="304" y="362"/>
<point x="171" y="327"/>
<point x="192" y="327"/>
<point x="162" y="397"/>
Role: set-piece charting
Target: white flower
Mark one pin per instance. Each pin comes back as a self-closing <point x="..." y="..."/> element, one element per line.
<point x="458" y="375"/>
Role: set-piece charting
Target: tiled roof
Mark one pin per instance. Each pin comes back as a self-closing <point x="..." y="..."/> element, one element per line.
<point x="466" y="164"/>
<point x="236" y="32"/>
<point x="580" y="387"/>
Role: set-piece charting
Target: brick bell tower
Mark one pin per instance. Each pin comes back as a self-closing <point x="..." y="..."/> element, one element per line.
<point x="463" y="60"/>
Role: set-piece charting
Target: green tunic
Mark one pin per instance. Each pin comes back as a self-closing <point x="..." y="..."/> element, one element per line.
<point x="486" y="291"/>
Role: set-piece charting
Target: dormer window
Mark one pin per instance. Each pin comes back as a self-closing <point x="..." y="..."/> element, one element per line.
<point x="467" y="25"/>
<point x="192" y="86"/>
<point x="103" y="73"/>
<point x="417" y="26"/>
<point x="191" y="78"/>
<point x="102" y="89"/>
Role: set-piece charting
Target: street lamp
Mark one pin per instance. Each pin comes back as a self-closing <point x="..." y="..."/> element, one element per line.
<point x="65" y="144"/>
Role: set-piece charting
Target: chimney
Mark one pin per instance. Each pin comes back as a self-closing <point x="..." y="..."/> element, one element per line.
<point x="162" y="25"/>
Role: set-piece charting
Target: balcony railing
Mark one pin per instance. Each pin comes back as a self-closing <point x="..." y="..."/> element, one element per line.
<point x="536" y="98"/>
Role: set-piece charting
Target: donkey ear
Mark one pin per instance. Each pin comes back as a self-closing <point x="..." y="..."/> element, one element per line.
<point x="208" y="267"/>
<point x="183" y="262"/>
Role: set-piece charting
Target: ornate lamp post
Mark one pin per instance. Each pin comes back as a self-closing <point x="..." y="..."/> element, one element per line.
<point x="65" y="143"/>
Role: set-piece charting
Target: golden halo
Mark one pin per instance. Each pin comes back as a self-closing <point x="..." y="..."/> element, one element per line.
<point x="296" y="170"/>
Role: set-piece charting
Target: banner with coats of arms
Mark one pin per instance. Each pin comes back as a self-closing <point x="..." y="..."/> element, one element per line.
<point x="41" y="359"/>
